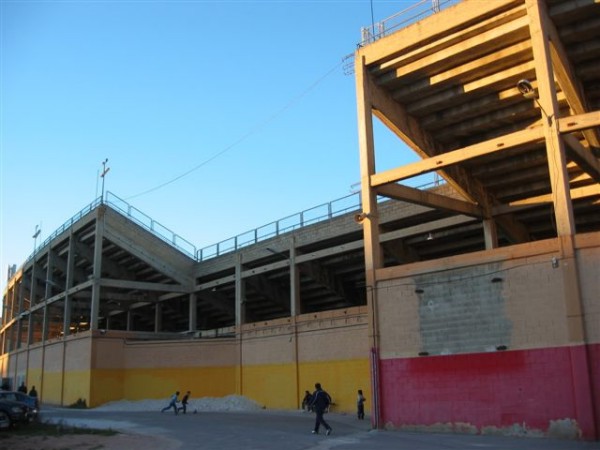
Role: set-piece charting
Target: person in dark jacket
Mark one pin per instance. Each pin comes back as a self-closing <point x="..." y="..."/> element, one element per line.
<point x="306" y="401"/>
<point x="320" y="402"/>
<point x="184" y="402"/>
<point x="33" y="393"/>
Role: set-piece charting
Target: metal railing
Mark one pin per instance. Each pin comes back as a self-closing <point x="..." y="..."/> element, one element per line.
<point x="325" y="211"/>
<point x="68" y="224"/>
<point x="414" y="13"/>
<point x="135" y="215"/>
<point x="150" y="224"/>
<point x="310" y="216"/>
<point x="316" y="214"/>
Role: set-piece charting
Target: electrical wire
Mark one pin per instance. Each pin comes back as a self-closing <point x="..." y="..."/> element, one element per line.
<point x="247" y="135"/>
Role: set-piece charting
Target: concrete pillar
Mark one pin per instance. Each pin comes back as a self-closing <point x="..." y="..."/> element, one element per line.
<point x="490" y="234"/>
<point x="19" y="331"/>
<point x="373" y="253"/>
<point x="97" y="270"/>
<point x="193" y="325"/>
<point x="32" y="301"/>
<point x="47" y="293"/>
<point x="240" y="319"/>
<point x="68" y="284"/>
<point x="240" y="293"/>
<point x="539" y="24"/>
<point x="295" y="301"/>
<point x="540" y="28"/>
<point x="157" y="317"/>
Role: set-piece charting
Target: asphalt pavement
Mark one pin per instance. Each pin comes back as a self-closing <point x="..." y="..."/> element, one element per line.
<point x="290" y="430"/>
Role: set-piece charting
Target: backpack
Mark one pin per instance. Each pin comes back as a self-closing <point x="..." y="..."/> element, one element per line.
<point x="321" y="399"/>
<point x="327" y="399"/>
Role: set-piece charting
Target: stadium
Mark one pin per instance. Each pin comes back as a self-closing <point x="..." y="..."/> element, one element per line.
<point x="469" y="305"/>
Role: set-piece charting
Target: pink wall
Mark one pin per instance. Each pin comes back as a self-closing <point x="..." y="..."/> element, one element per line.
<point x="498" y="389"/>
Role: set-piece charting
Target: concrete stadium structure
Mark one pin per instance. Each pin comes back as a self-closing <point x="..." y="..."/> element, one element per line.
<point x="472" y="306"/>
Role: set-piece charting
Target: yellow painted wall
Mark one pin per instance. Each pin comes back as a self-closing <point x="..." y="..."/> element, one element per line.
<point x="52" y="388"/>
<point x="106" y="386"/>
<point x="34" y="378"/>
<point x="341" y="379"/>
<point x="138" y="384"/>
<point x="110" y="367"/>
<point x="160" y="383"/>
<point x="76" y="386"/>
<point x="331" y="348"/>
<point x="271" y="385"/>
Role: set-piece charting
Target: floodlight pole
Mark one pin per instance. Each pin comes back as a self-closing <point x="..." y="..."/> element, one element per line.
<point x="36" y="233"/>
<point x="103" y="175"/>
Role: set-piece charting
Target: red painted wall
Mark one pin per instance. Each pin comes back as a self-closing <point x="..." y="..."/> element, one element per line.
<point x="594" y="357"/>
<point x="499" y="389"/>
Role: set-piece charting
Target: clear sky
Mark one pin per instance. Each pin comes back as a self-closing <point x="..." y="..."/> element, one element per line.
<point x="249" y="98"/>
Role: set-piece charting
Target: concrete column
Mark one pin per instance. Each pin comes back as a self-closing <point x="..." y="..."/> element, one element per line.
<point x="295" y="302"/>
<point x="490" y="234"/>
<point x="97" y="274"/>
<point x="19" y="331"/>
<point x="295" y="310"/>
<point x="68" y="284"/>
<point x="47" y="293"/>
<point x="193" y="324"/>
<point x="539" y="24"/>
<point x="32" y="301"/>
<point x="6" y="304"/>
<point x="240" y="319"/>
<point x="240" y="293"/>
<point x="33" y="286"/>
<point x="157" y="317"/>
<point x="541" y="27"/>
<point x="373" y="253"/>
<point x="30" y="329"/>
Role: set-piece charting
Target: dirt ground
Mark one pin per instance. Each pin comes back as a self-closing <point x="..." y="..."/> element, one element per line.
<point x="88" y="442"/>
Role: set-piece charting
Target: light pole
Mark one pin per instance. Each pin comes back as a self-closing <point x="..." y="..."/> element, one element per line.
<point x="36" y="233"/>
<point x="103" y="174"/>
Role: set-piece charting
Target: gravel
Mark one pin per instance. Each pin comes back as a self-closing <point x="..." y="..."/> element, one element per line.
<point x="228" y="403"/>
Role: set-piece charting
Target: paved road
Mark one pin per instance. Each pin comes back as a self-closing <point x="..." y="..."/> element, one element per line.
<point x="270" y="430"/>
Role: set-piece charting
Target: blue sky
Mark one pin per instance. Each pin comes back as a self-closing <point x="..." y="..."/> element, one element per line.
<point x="250" y="94"/>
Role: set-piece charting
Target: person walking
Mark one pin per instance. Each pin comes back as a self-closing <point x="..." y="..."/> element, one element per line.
<point x="172" y="403"/>
<point x="360" y="405"/>
<point x="320" y="402"/>
<point x="184" y="402"/>
<point x="306" y="401"/>
<point x="22" y="388"/>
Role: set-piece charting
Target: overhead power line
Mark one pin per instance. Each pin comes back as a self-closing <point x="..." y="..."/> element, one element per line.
<point x="251" y="132"/>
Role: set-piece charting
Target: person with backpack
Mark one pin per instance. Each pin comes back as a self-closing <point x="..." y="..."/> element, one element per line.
<point x="320" y="402"/>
